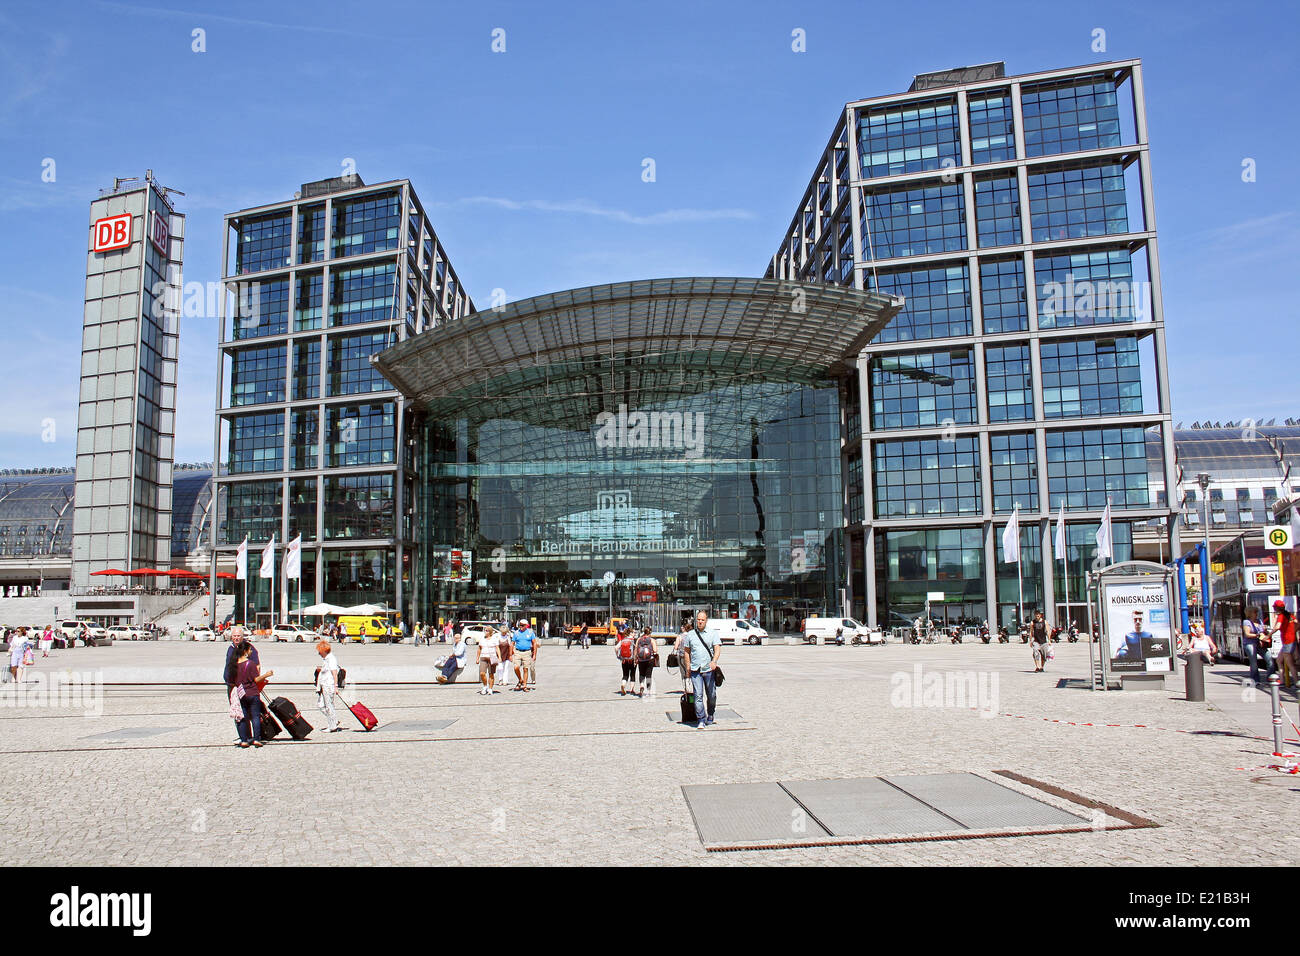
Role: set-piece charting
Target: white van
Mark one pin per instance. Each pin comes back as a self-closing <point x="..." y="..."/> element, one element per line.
<point x="822" y="630"/>
<point x="733" y="631"/>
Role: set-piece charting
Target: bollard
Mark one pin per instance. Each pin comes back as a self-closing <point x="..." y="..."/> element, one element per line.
<point x="1194" y="676"/>
<point x="1274" y="689"/>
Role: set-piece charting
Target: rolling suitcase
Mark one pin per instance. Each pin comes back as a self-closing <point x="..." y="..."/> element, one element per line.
<point x="688" y="708"/>
<point x="362" y="713"/>
<point x="270" y="726"/>
<point x="293" y="721"/>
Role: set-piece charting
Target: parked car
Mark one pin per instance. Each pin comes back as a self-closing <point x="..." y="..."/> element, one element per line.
<point x="823" y="630"/>
<point x="201" y="632"/>
<point x="735" y="631"/>
<point x="127" y="632"/>
<point x="285" y="631"/>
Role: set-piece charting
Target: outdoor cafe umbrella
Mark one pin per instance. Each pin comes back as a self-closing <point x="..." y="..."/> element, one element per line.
<point x="106" y="571"/>
<point x="226" y="575"/>
<point x="319" y="610"/>
<point x="361" y="610"/>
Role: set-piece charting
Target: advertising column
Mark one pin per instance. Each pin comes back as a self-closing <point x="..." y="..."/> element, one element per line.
<point x="1138" y="635"/>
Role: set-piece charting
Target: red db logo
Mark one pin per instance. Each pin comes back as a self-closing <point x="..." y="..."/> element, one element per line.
<point x="113" y="232"/>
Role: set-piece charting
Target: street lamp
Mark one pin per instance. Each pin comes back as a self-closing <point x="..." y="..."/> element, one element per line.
<point x="1204" y="481"/>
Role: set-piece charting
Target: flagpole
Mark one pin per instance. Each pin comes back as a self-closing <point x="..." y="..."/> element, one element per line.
<point x="272" y="607"/>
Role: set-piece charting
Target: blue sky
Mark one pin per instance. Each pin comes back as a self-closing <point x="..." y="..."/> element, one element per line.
<point x="529" y="161"/>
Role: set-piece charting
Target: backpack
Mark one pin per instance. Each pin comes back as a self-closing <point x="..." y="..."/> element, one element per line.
<point x="645" y="648"/>
<point x="625" y="648"/>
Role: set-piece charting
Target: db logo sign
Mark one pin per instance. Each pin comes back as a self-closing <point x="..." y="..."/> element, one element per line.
<point x="112" y="233"/>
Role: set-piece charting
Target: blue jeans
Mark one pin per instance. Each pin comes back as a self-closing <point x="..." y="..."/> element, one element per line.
<point x="1250" y="648"/>
<point x="252" y="717"/>
<point x="704" y="687"/>
<point x="449" y="667"/>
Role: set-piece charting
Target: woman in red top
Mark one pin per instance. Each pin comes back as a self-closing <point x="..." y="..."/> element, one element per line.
<point x="1283" y="634"/>
<point x="248" y="678"/>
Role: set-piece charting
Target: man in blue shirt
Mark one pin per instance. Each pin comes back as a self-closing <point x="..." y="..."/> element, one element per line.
<point x="525" y="642"/>
<point x="701" y="653"/>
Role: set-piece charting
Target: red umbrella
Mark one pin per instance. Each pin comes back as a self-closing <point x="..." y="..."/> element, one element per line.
<point x="141" y="572"/>
<point x="107" y="571"/>
<point x="184" y="573"/>
<point x="229" y="576"/>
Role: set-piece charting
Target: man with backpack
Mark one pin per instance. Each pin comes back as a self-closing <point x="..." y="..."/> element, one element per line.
<point x="625" y="653"/>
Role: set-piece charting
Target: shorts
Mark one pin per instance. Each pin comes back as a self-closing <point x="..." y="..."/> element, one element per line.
<point x="645" y="669"/>
<point x="488" y="661"/>
<point x="629" y="670"/>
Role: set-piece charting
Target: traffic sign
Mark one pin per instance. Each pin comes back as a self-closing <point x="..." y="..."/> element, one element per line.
<point x="1277" y="537"/>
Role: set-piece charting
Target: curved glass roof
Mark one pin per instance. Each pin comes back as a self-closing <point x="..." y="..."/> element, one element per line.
<point x="1232" y="452"/>
<point x="36" y="512"/>
<point x="648" y="334"/>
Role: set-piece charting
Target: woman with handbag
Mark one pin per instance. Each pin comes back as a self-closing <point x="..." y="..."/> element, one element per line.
<point x="247" y="695"/>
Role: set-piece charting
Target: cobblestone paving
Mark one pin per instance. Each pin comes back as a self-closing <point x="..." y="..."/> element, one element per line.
<point x="574" y="774"/>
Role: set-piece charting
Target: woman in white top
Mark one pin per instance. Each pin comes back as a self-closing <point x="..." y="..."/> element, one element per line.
<point x="488" y="658"/>
<point x="1198" y="642"/>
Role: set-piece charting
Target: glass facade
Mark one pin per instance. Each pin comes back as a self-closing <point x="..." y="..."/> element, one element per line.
<point x="370" y="224"/>
<point x="1002" y="295"/>
<point x="1013" y="463"/>
<point x="1076" y="202"/>
<point x="350" y="371"/>
<point x="1091" y="377"/>
<point x="263" y="244"/>
<point x="923" y="389"/>
<point x="249" y="508"/>
<point x="1091" y="287"/>
<point x="261" y="308"/>
<point x="363" y="294"/>
<point x="255" y="443"/>
<point x="997" y="209"/>
<point x="257" y="375"/>
<point x="1090" y="465"/>
<point x="1009" y="381"/>
<point x="688" y="492"/>
<point x="909" y="138"/>
<point x="927" y="477"/>
<point x="914" y="220"/>
<point x="992" y="126"/>
<point x="1070" y="115"/>
<point x="913" y="563"/>
<point x="361" y="434"/>
<point x="938" y="302"/>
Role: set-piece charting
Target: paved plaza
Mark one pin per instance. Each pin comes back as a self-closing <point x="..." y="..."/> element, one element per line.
<point x="574" y="774"/>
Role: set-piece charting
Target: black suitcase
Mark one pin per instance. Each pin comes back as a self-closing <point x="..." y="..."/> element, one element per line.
<point x="293" y="721"/>
<point x="688" y="708"/>
<point x="270" y="726"/>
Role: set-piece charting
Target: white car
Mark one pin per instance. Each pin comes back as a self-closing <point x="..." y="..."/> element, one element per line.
<point x="735" y="631"/>
<point x="822" y="630"/>
<point x="125" y="632"/>
<point x="73" y="629"/>
<point x="471" y="631"/>
<point x="285" y="631"/>
<point x="200" y="633"/>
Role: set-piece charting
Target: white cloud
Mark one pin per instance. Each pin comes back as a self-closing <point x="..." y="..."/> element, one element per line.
<point x="584" y="207"/>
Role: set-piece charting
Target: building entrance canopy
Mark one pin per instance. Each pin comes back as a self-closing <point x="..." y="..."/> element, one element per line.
<point x="649" y="339"/>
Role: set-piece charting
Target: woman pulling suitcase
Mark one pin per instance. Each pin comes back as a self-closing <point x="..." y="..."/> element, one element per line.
<point x="245" y="697"/>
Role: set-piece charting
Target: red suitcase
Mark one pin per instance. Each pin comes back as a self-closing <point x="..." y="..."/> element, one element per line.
<point x="362" y="713"/>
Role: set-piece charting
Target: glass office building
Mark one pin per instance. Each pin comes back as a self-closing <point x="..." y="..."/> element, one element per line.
<point x="311" y="439"/>
<point x="682" y="436"/>
<point x="1028" y="367"/>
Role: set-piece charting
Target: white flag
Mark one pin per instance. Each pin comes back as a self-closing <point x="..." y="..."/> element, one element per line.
<point x="268" y="560"/>
<point x="1059" y="544"/>
<point x="241" y="560"/>
<point x="1105" y="548"/>
<point x="293" y="558"/>
<point x="1295" y="524"/>
<point x="1011" y="538"/>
